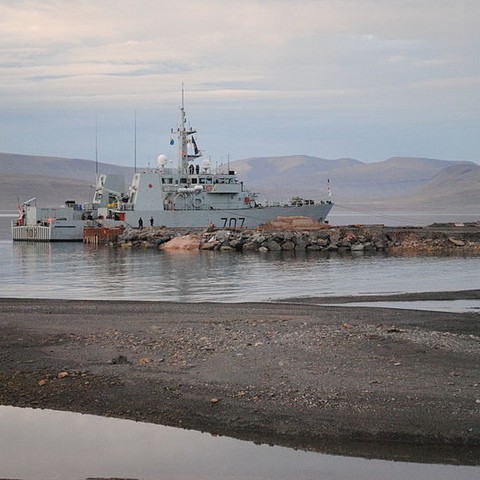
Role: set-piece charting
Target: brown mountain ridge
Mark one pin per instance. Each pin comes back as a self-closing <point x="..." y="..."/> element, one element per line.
<point x="394" y="184"/>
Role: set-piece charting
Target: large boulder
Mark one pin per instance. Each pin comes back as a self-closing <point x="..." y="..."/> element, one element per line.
<point x="185" y="242"/>
<point x="272" y="245"/>
<point x="288" y="245"/>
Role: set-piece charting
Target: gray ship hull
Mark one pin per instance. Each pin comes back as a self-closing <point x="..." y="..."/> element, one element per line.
<point x="57" y="231"/>
<point x="235" y="218"/>
<point x="72" y="230"/>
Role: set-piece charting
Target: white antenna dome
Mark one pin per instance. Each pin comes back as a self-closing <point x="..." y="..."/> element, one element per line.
<point x="162" y="160"/>
<point x="206" y="164"/>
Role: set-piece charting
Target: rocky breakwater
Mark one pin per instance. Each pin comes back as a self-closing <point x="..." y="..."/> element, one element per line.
<point x="363" y="238"/>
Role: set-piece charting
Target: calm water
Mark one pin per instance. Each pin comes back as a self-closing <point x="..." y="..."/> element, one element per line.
<point x="436" y="305"/>
<point x="77" y="271"/>
<point x="48" y="445"/>
<point x="345" y="216"/>
<point x="72" y="270"/>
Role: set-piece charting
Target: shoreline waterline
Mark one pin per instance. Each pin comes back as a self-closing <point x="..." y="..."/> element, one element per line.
<point x="77" y="271"/>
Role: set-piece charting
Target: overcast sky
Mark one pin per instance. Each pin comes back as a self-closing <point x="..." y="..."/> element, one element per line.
<point x="365" y="79"/>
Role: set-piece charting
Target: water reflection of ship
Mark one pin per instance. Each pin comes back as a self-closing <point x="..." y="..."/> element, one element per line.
<point x="33" y="250"/>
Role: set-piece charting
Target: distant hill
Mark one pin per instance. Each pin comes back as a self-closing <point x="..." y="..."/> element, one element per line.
<point x="76" y="168"/>
<point x="397" y="181"/>
<point x="395" y="184"/>
<point x="52" y="180"/>
<point x="49" y="191"/>
<point x="455" y="188"/>
<point x="252" y="169"/>
<point x="279" y="178"/>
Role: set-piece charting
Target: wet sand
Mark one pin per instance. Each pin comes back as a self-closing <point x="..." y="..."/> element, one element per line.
<point x="377" y="382"/>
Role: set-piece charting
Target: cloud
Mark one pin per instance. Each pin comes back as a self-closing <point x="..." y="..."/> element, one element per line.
<point x="448" y="83"/>
<point x="326" y="40"/>
<point x="366" y="61"/>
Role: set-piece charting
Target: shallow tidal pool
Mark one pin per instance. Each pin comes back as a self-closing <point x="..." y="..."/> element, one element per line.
<point x="50" y="445"/>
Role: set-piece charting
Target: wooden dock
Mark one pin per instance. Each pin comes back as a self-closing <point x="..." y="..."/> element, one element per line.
<point x="101" y="235"/>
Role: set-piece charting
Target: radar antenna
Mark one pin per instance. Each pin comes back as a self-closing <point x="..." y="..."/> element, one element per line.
<point x="185" y="136"/>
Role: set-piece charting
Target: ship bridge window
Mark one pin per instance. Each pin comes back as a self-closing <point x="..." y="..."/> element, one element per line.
<point x="194" y="180"/>
<point x="183" y="180"/>
<point x="209" y="180"/>
<point x="201" y="180"/>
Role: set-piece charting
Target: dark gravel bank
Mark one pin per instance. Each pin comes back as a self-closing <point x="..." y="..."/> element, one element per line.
<point x="362" y="381"/>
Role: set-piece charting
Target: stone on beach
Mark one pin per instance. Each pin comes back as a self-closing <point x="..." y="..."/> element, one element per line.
<point x="456" y="242"/>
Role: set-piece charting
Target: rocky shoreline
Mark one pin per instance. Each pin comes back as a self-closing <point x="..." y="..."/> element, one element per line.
<point x="374" y="382"/>
<point x="355" y="239"/>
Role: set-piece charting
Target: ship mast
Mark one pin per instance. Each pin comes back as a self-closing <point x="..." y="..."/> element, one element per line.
<point x="184" y="134"/>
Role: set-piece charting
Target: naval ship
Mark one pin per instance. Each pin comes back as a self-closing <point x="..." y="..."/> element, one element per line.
<point x="190" y="195"/>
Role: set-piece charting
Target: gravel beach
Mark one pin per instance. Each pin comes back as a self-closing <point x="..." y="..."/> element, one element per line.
<point x="377" y="382"/>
